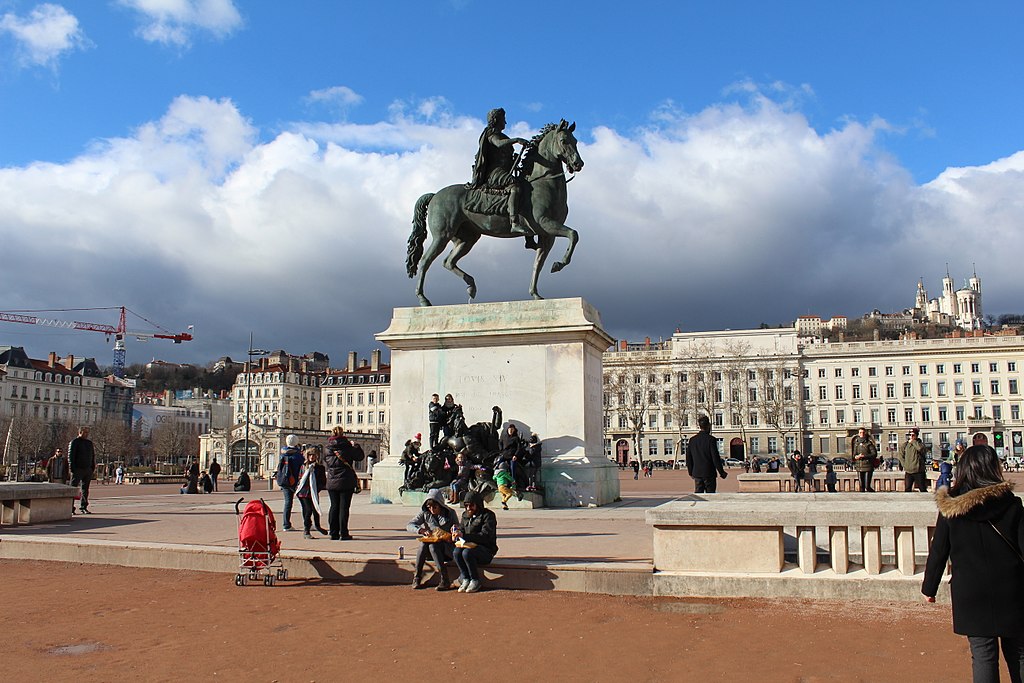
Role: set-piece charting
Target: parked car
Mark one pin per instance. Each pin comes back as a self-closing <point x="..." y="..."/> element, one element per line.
<point x="840" y="462"/>
<point x="733" y="462"/>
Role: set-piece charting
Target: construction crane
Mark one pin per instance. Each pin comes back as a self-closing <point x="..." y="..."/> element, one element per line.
<point x="119" y="333"/>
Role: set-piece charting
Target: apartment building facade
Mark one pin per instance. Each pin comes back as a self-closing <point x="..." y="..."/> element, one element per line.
<point x="770" y="391"/>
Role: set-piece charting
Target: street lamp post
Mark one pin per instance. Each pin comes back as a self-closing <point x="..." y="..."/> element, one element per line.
<point x="248" y="384"/>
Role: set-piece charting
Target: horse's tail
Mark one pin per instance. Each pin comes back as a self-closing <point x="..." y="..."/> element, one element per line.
<point x="419" y="234"/>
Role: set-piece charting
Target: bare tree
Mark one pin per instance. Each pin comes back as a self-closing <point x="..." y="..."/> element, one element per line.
<point x="632" y="391"/>
<point x="111" y="440"/>
<point x="778" y="397"/>
<point x="172" y="442"/>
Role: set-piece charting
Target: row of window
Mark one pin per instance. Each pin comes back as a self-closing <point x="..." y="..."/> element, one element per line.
<point x="922" y="369"/>
<point x="355" y="417"/>
<point x="923" y="414"/>
<point x="52" y="412"/>
<point x="357" y="398"/>
<point x="354" y="379"/>
<point x="924" y="389"/>
<point x="273" y="393"/>
<point x="278" y="377"/>
<point x="715" y="376"/>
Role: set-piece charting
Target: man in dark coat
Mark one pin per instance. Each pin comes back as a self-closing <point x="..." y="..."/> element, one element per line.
<point x="82" y="461"/>
<point x="435" y="417"/>
<point x="214" y="472"/>
<point x="702" y="459"/>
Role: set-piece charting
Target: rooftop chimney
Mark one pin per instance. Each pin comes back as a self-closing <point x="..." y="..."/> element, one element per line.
<point x="375" y="360"/>
<point x="69" y="362"/>
<point x="351" y="361"/>
<point x="52" y="360"/>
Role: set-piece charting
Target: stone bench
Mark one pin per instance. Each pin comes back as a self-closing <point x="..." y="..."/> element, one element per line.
<point x="745" y="532"/>
<point x="155" y="478"/>
<point x="847" y="480"/>
<point x="35" y="503"/>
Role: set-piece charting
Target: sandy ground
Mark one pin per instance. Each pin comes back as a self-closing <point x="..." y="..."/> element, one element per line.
<point x="98" y="623"/>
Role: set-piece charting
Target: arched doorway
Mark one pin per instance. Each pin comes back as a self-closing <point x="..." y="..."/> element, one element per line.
<point x="736" y="449"/>
<point x="622" y="452"/>
<point x="245" y="458"/>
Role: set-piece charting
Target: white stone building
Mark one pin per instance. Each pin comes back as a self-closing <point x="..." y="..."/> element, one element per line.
<point x="767" y="391"/>
<point x="279" y="391"/>
<point x="961" y="308"/>
<point x="358" y="397"/>
<point x="66" y="390"/>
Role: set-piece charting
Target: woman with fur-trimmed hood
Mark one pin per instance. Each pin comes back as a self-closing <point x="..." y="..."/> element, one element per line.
<point x="979" y="531"/>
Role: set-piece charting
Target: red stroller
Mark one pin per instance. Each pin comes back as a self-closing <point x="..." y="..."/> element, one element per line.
<point x="258" y="546"/>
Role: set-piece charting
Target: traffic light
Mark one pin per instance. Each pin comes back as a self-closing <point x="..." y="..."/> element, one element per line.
<point x="997" y="439"/>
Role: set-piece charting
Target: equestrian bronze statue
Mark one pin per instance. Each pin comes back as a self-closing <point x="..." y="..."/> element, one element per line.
<point x="506" y="198"/>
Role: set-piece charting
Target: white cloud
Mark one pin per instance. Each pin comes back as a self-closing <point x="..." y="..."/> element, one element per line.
<point x="45" y="34"/>
<point x="173" y="22"/>
<point x="340" y="98"/>
<point x="726" y="217"/>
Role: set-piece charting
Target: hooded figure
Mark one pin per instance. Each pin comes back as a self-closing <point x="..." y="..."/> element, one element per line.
<point x="434" y="525"/>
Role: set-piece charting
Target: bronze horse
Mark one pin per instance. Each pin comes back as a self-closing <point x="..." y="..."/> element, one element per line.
<point x="542" y="204"/>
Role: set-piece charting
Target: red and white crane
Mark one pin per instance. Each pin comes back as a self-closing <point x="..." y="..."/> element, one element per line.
<point x="119" y="332"/>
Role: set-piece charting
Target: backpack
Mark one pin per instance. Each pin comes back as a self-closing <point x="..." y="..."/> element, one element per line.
<point x="285" y="478"/>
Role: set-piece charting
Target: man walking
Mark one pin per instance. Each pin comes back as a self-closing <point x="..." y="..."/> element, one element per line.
<point x="214" y="472"/>
<point x="702" y="459"/>
<point x="82" y="461"/>
<point x="911" y="457"/>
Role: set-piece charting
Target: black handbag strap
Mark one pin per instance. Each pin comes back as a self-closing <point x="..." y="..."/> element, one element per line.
<point x="1012" y="547"/>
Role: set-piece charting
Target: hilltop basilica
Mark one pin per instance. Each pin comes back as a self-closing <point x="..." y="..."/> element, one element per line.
<point x="960" y="308"/>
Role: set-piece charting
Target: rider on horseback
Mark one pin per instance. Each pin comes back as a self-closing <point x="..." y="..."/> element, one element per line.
<point x="493" y="167"/>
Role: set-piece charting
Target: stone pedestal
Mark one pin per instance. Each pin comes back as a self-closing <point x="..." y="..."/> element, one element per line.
<point x="540" y="361"/>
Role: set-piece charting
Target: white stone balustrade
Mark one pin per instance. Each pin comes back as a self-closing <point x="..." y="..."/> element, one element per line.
<point x="736" y="544"/>
<point x="848" y="480"/>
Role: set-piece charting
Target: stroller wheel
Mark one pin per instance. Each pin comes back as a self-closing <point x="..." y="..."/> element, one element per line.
<point x="282" y="574"/>
<point x="268" y="580"/>
<point x="239" y="580"/>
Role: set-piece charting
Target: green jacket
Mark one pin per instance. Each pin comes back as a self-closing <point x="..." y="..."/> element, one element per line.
<point x="911" y="456"/>
<point x="865" y="446"/>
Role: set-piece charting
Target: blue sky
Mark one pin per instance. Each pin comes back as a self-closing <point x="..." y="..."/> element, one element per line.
<point x="752" y="147"/>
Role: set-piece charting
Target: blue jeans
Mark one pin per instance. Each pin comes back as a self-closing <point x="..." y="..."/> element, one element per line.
<point x="467" y="560"/>
<point x="286" y="516"/>
<point x="985" y="658"/>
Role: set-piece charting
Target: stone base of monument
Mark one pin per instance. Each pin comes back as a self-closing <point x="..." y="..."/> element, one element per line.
<point x="540" y="361"/>
<point x="530" y="501"/>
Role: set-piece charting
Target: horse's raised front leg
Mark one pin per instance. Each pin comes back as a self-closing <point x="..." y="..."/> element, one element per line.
<point x="556" y="229"/>
<point x="460" y="248"/>
<point x="544" y="244"/>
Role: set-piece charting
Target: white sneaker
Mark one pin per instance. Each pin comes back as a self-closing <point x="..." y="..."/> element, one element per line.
<point x="473" y="586"/>
<point x="463" y="585"/>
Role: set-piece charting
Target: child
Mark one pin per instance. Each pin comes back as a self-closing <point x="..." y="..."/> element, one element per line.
<point x="506" y="484"/>
<point x="945" y="474"/>
<point x="463" y="473"/>
<point x="830" y="478"/>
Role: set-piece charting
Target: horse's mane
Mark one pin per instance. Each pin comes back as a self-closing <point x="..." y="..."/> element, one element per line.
<point x="531" y="149"/>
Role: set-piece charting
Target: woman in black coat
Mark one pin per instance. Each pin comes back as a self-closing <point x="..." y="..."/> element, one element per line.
<point x="979" y="531"/>
<point x="342" y="481"/>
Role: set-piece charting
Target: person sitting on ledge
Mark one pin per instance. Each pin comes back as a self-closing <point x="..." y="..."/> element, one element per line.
<point x="464" y="473"/>
<point x="476" y="542"/>
<point x="205" y="483"/>
<point x="434" y="524"/>
<point x="243" y="483"/>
